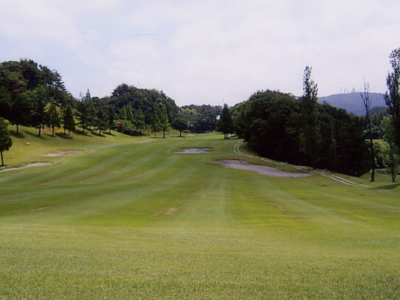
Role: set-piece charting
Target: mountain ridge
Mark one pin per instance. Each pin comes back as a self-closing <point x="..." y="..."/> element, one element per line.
<point x="352" y="102"/>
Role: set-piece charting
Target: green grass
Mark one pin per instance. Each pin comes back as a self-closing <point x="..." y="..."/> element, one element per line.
<point x="128" y="218"/>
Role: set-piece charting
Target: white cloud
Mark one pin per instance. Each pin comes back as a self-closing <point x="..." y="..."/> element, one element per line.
<point x="205" y="51"/>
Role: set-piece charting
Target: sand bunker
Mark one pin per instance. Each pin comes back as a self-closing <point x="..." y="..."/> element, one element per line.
<point x="27" y="166"/>
<point x="262" y="170"/>
<point x="60" y="154"/>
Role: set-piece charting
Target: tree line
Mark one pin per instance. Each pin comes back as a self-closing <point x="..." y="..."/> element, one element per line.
<point x="302" y="131"/>
<point x="276" y="125"/>
<point x="33" y="95"/>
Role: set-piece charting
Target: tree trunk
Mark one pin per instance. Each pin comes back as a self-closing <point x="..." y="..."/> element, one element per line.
<point x="372" y="158"/>
<point x="2" y="161"/>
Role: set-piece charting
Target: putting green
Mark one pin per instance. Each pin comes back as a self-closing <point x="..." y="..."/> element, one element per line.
<point x="128" y="218"/>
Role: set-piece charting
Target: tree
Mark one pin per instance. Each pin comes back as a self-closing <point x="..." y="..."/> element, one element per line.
<point x="129" y="113"/>
<point x="111" y="117"/>
<point x="390" y="153"/>
<point x="19" y="105"/>
<point x="82" y="114"/>
<point x="155" y="121"/>
<point x="225" y="123"/>
<point x="101" y="120"/>
<point x="5" y="139"/>
<point x="190" y="115"/>
<point x="123" y="115"/>
<point x="392" y="97"/>
<point x="140" y="122"/>
<point x="68" y="119"/>
<point x="86" y="112"/>
<point x="180" y="124"/>
<point x="310" y="135"/>
<point x="53" y="117"/>
<point x="164" y="122"/>
<point x="39" y="102"/>
<point x="367" y="105"/>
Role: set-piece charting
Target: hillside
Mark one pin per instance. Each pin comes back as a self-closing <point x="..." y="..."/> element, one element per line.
<point x="352" y="101"/>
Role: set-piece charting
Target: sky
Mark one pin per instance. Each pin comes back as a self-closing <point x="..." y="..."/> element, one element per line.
<point x="208" y="51"/>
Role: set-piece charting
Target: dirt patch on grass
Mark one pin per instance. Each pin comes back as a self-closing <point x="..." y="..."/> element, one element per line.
<point x="27" y="166"/>
<point x="171" y="211"/>
<point x="262" y="170"/>
<point x="60" y="154"/>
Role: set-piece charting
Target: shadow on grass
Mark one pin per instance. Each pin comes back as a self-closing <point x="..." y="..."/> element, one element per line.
<point x="387" y="187"/>
<point x="109" y="133"/>
<point x="64" y="136"/>
<point x="80" y="132"/>
<point x="18" y="135"/>
<point x="35" y="135"/>
<point x="98" y="134"/>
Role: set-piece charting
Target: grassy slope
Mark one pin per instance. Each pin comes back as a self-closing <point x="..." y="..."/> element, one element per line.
<point x="129" y="218"/>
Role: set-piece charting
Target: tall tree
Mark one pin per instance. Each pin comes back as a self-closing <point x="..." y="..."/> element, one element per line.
<point x="110" y="117"/>
<point x="391" y="152"/>
<point x="392" y="97"/>
<point x="129" y="113"/>
<point x="53" y="117"/>
<point x="310" y="135"/>
<point x="367" y="105"/>
<point x="39" y="102"/>
<point x="5" y="139"/>
<point x="164" y="122"/>
<point x="83" y="114"/>
<point x="155" y="121"/>
<point x="140" y="122"/>
<point x="101" y="120"/>
<point x="20" y="105"/>
<point x="68" y="119"/>
<point x="225" y="122"/>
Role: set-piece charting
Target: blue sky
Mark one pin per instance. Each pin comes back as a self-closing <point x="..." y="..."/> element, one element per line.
<point x="205" y="52"/>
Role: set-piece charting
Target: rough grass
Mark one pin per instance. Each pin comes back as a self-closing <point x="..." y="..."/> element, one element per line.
<point x="127" y="218"/>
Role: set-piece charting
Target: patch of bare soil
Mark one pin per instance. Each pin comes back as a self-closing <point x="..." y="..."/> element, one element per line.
<point x="262" y="170"/>
<point x="60" y="154"/>
<point x="27" y="166"/>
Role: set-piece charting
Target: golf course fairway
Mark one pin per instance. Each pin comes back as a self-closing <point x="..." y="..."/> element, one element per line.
<point x="129" y="218"/>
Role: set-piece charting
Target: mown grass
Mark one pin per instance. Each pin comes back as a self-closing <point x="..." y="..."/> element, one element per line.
<point x="128" y="218"/>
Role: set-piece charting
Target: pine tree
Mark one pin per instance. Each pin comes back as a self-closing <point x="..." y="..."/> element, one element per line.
<point x="155" y="121"/>
<point x="39" y="102"/>
<point x="140" y="122"/>
<point x="392" y="98"/>
<point x="53" y="117"/>
<point x="310" y="136"/>
<point x="101" y="120"/>
<point x="111" y="117"/>
<point x="68" y="119"/>
<point x="82" y="114"/>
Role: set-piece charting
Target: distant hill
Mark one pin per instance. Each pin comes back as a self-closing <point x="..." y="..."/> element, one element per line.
<point x="352" y="102"/>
